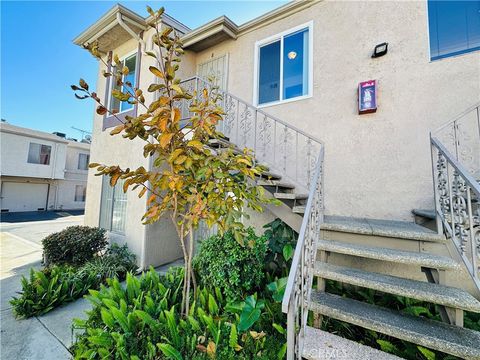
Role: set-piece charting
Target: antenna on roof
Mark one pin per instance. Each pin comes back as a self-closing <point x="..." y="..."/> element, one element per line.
<point x="86" y="135"/>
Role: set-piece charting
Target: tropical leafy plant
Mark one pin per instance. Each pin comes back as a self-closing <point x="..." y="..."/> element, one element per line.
<point x="142" y="320"/>
<point x="281" y="246"/>
<point x="235" y="269"/>
<point x="55" y="285"/>
<point x="189" y="182"/>
<point x="74" y="245"/>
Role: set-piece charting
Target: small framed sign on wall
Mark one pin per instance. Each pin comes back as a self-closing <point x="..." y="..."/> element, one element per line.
<point x="367" y="97"/>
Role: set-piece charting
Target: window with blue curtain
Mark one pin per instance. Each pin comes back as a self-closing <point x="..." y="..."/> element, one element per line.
<point x="454" y="27"/>
<point x="283" y="67"/>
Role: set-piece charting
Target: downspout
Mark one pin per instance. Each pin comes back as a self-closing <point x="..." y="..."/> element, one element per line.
<point x="130" y="31"/>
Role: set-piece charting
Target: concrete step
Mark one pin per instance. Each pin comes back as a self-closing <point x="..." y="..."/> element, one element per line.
<point x="377" y="227"/>
<point x="290" y="196"/>
<point x="322" y="345"/>
<point x="270" y="176"/>
<point x="425" y="213"/>
<point x="299" y="209"/>
<point x="436" y="335"/>
<point x="275" y="183"/>
<point x="420" y="290"/>
<point x="221" y="143"/>
<point x="386" y="254"/>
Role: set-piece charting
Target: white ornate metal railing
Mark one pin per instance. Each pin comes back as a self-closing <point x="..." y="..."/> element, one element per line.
<point x="285" y="149"/>
<point x="300" y="278"/>
<point x="456" y="174"/>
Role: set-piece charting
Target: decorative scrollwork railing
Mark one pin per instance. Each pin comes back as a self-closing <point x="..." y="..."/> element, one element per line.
<point x="285" y="149"/>
<point x="457" y="205"/>
<point x="300" y="278"/>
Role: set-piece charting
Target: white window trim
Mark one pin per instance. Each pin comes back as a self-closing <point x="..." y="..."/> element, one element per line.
<point x="112" y="79"/>
<point x="272" y="39"/>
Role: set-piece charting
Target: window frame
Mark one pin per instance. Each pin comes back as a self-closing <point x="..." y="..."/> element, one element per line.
<point x="88" y="161"/>
<point x="114" y="120"/>
<point x="453" y="54"/>
<point x="111" y="84"/>
<point x="280" y="37"/>
<point x="84" y="193"/>
<point x="40" y="154"/>
<point x="111" y="208"/>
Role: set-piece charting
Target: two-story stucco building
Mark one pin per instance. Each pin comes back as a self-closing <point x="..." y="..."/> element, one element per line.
<point x="302" y="63"/>
<point x="41" y="171"/>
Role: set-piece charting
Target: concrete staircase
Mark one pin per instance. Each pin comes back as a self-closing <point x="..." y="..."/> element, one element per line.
<point x="337" y="243"/>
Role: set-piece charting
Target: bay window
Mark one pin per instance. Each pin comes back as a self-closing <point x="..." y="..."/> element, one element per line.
<point x="284" y="66"/>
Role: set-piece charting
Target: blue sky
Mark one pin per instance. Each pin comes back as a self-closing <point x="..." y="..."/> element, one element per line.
<point x="39" y="60"/>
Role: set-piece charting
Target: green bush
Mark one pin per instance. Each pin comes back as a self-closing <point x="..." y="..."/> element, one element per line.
<point x="53" y="286"/>
<point x="235" y="269"/>
<point x="74" y="245"/>
<point x="282" y="240"/>
<point x="142" y="321"/>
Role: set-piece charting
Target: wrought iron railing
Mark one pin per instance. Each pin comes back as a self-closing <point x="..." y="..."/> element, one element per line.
<point x="456" y="174"/>
<point x="300" y="278"/>
<point x="285" y="149"/>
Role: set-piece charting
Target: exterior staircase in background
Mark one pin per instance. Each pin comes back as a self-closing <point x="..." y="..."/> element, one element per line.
<point x="325" y="243"/>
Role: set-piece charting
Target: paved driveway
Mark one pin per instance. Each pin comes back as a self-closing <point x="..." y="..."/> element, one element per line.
<point x="45" y="337"/>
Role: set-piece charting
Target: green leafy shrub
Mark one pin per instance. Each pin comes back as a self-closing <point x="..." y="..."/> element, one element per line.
<point x="74" y="245"/>
<point x="235" y="269"/>
<point x="55" y="285"/>
<point x="142" y="321"/>
<point x="282" y="240"/>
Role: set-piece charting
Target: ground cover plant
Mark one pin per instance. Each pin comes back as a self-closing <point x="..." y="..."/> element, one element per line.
<point x="56" y="284"/>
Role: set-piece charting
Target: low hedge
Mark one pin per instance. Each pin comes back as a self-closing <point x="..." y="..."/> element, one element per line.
<point x="74" y="245"/>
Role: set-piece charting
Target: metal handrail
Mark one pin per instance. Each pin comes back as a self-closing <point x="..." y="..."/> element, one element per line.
<point x="457" y="205"/>
<point x="257" y="109"/>
<point x="284" y="148"/>
<point x="299" y="283"/>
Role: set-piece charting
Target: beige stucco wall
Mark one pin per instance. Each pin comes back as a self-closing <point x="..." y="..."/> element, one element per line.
<point x="153" y="244"/>
<point x="376" y="165"/>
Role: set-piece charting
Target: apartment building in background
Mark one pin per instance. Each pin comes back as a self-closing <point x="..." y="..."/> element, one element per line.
<point x="40" y="171"/>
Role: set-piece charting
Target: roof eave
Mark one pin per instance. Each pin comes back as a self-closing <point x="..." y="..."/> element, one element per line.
<point x="106" y="22"/>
